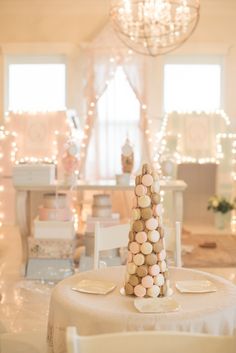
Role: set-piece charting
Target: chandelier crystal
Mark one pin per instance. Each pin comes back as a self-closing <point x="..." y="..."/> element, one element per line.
<point x="154" y="27"/>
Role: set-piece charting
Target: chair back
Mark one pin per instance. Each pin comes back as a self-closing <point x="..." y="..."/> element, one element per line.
<point x="173" y="243"/>
<point x="149" y="341"/>
<point x="107" y="238"/>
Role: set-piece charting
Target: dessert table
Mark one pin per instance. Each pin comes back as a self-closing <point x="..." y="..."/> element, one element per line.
<point x="26" y="193"/>
<point x="213" y="313"/>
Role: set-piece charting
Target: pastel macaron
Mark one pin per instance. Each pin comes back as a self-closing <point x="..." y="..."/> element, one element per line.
<point x="144" y="201"/>
<point x="151" y="259"/>
<point x="131" y="268"/>
<point x="139" y="291"/>
<point x="129" y="290"/>
<point x="138" y="226"/>
<point x="134" y="247"/>
<point x="154" y="291"/>
<point x="142" y="271"/>
<point x="159" y="280"/>
<point x="158" y="209"/>
<point x="153" y="236"/>
<point x="141" y="237"/>
<point x="147" y="281"/>
<point x="146" y="213"/>
<point x="136" y="214"/>
<point x="139" y="259"/>
<point x="140" y="190"/>
<point x="146" y="248"/>
<point x="154" y="270"/>
<point x="151" y="223"/>
<point x="147" y="180"/>
<point x="163" y="266"/>
<point x="129" y="257"/>
<point x="155" y="198"/>
<point x="162" y="255"/>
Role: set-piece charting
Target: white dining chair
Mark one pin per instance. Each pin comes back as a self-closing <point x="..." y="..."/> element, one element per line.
<point x="23" y="342"/>
<point x="149" y="341"/>
<point x="107" y="238"/>
<point x="173" y="243"/>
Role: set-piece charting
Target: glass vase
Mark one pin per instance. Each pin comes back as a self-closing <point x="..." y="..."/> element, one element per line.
<point x="222" y="220"/>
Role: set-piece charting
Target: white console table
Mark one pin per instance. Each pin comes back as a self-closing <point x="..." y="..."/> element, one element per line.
<point x="23" y="194"/>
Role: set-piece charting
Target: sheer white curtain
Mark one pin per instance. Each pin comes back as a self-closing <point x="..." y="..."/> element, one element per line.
<point x="118" y="116"/>
<point x="104" y="55"/>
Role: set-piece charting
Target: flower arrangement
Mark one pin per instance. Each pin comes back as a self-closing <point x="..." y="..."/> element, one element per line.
<point x="220" y="204"/>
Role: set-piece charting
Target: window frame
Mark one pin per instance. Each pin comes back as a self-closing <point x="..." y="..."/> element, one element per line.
<point x="197" y="60"/>
<point x="11" y="59"/>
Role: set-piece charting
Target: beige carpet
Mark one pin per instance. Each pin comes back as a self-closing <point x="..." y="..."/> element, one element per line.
<point x="223" y="255"/>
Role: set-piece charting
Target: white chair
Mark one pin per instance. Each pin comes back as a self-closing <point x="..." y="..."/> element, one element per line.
<point x="149" y="341"/>
<point x="23" y="342"/>
<point x="173" y="243"/>
<point x="107" y="238"/>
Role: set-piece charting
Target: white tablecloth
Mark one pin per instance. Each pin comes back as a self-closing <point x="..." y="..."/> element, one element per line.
<point x="213" y="313"/>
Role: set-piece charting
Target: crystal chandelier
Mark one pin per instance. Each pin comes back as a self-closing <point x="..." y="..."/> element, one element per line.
<point x="154" y="27"/>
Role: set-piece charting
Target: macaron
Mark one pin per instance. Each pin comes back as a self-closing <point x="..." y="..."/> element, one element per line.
<point x="155" y="187"/>
<point x="147" y="180"/>
<point x="146" y="213"/>
<point x="158" y="209"/>
<point x="167" y="275"/>
<point x="139" y="291"/>
<point x="151" y="259"/>
<point x="129" y="256"/>
<point x="154" y="270"/>
<point x="131" y="236"/>
<point x="146" y="248"/>
<point x="159" y="280"/>
<point x="127" y="276"/>
<point x="138" y="226"/>
<point x="144" y="201"/>
<point x="158" y="246"/>
<point x="135" y="214"/>
<point x="134" y="247"/>
<point x="129" y="290"/>
<point x="155" y="198"/>
<point x="142" y="271"/>
<point x="140" y="190"/>
<point x="134" y="280"/>
<point x="141" y="237"/>
<point x="139" y="259"/>
<point x="147" y="281"/>
<point x="131" y="268"/>
<point x="153" y="236"/>
<point x="151" y="223"/>
<point x="138" y="180"/>
<point x="162" y="255"/>
<point x="146" y="169"/>
<point x="153" y="292"/>
<point x="161" y="231"/>
<point x="163" y="265"/>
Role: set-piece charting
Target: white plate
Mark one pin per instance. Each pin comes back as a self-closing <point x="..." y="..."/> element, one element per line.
<point x="196" y="286"/>
<point x="94" y="287"/>
<point x="156" y="305"/>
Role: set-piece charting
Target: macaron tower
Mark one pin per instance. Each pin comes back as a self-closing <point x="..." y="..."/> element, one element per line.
<point x="146" y="271"/>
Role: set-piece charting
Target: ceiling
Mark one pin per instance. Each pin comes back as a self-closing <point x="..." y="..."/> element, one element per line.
<point x="78" y="21"/>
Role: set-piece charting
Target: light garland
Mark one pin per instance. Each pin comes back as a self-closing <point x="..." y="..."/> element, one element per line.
<point x="160" y="142"/>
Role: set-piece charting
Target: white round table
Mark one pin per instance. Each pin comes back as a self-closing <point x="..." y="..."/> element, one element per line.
<point x="213" y="313"/>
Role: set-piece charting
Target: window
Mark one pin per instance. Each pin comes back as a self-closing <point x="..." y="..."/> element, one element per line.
<point x="36" y="83"/>
<point x="193" y="85"/>
<point x="118" y="116"/>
